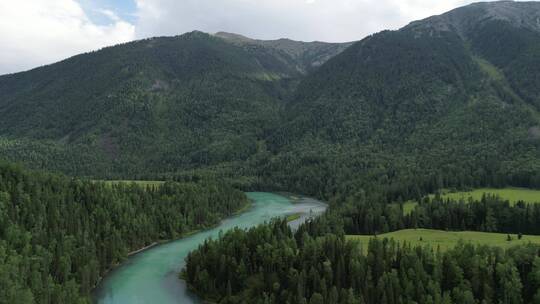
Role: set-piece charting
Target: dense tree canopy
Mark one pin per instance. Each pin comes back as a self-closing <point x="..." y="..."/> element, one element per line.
<point x="59" y="235"/>
<point x="270" y="264"/>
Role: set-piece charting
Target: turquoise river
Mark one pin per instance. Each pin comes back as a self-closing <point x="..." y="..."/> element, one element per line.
<point x="152" y="275"/>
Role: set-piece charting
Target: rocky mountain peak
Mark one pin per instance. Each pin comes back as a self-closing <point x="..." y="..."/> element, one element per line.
<point x="465" y="19"/>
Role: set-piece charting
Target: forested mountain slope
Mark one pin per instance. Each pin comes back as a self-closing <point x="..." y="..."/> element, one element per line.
<point x="156" y="105"/>
<point x="303" y="56"/>
<point x="451" y="100"/>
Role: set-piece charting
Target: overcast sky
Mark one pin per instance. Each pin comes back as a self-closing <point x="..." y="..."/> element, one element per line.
<point x="38" y="32"/>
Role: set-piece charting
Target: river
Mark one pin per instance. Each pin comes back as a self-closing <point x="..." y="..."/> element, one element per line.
<point x="152" y="275"/>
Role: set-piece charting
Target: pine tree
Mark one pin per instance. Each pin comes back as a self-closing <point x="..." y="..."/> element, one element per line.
<point x="316" y="298"/>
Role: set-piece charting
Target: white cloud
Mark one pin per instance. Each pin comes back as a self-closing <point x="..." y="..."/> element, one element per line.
<point x="110" y="14"/>
<point x="37" y="32"/>
<point x="327" y="20"/>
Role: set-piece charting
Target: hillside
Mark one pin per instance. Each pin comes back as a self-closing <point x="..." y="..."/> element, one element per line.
<point x="305" y="57"/>
<point x="155" y="105"/>
<point x="447" y="101"/>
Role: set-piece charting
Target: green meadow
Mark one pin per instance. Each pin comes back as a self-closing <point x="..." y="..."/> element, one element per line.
<point x="512" y="194"/>
<point x="448" y="239"/>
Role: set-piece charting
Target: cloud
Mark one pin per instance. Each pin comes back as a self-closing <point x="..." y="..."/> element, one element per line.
<point x="327" y="20"/>
<point x="37" y="32"/>
<point x="110" y="14"/>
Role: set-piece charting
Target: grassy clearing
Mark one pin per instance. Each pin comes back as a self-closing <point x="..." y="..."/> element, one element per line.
<point x="492" y="71"/>
<point x="512" y="194"/>
<point x="293" y="217"/>
<point x="408" y="207"/>
<point x="448" y="239"/>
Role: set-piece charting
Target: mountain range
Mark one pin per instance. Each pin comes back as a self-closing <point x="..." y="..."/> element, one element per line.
<point x="453" y="98"/>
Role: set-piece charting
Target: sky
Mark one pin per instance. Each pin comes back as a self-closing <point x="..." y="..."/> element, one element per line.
<point x="39" y="32"/>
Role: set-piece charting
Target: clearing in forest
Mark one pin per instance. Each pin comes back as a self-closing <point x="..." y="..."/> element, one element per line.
<point x="512" y="194"/>
<point x="449" y="239"/>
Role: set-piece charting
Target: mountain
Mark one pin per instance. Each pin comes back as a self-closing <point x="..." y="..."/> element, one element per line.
<point x="304" y="56"/>
<point x="466" y="20"/>
<point x="156" y="105"/>
<point x="448" y="101"/>
<point x="504" y="33"/>
<point x="452" y="100"/>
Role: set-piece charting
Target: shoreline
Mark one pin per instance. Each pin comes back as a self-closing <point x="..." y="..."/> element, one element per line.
<point x="187" y="234"/>
<point x="133" y="253"/>
<point x="295" y="199"/>
<point x="298" y="198"/>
